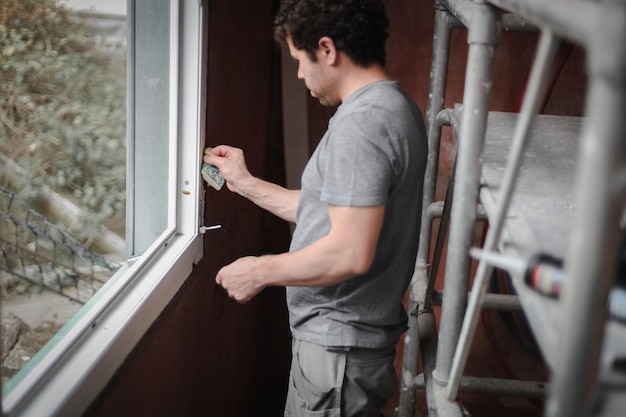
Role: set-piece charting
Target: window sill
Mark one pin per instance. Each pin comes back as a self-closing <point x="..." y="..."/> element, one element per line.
<point x="75" y="366"/>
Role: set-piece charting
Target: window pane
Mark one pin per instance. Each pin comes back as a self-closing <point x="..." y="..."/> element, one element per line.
<point x="63" y="177"/>
<point x="148" y="151"/>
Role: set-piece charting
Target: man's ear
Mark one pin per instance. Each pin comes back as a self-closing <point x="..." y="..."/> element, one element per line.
<point x="327" y="49"/>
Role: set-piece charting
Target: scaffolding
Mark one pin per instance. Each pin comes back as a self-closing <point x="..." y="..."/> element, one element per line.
<point x="568" y="203"/>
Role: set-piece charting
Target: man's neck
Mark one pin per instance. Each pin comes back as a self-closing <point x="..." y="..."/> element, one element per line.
<point x="355" y="78"/>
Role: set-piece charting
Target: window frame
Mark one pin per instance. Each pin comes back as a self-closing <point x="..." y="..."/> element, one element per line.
<point x="72" y="369"/>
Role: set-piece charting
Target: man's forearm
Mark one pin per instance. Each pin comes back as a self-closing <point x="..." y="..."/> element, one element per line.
<point x="271" y="197"/>
<point x="319" y="264"/>
<point x="346" y="251"/>
<point x="279" y="201"/>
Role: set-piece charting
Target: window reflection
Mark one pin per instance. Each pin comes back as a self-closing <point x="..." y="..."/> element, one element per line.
<point x="63" y="159"/>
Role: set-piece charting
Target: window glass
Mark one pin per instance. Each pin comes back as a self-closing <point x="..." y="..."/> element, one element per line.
<point x="148" y="132"/>
<point x="63" y="170"/>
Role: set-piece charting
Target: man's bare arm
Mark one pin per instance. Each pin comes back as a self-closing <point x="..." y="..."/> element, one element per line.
<point x="278" y="200"/>
<point x="346" y="251"/>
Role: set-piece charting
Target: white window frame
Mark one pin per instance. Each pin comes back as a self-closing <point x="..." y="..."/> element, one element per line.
<point x="67" y="375"/>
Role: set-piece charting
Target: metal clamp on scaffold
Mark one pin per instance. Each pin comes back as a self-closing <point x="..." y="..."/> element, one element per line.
<point x="542" y="272"/>
<point x="545" y="274"/>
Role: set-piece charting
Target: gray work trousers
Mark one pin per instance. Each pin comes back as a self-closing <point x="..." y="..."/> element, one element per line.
<point x="339" y="383"/>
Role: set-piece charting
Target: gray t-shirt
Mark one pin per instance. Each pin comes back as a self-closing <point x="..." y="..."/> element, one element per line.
<point x="374" y="153"/>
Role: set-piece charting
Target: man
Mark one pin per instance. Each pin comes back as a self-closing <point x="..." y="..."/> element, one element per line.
<point x="357" y="215"/>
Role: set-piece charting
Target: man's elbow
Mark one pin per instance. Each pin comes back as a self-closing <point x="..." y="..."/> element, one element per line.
<point x="359" y="264"/>
<point x="349" y="259"/>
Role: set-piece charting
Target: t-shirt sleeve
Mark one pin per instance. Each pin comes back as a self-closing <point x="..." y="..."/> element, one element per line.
<point x="359" y="165"/>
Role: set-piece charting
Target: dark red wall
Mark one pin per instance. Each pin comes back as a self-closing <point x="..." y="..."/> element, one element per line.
<point x="208" y="356"/>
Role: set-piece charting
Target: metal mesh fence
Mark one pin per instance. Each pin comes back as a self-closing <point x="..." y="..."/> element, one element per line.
<point x="37" y="255"/>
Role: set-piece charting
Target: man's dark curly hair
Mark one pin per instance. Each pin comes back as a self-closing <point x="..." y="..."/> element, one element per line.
<point x="357" y="27"/>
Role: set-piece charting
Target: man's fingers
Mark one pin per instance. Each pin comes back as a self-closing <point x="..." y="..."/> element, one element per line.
<point x="219" y="278"/>
<point x="225" y="151"/>
<point x="220" y="150"/>
<point x="211" y="159"/>
<point x="235" y="279"/>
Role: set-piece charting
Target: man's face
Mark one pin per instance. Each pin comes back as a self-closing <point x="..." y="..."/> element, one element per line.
<point x="316" y="75"/>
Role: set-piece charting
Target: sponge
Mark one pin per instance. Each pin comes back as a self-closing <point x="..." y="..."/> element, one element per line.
<point x="211" y="174"/>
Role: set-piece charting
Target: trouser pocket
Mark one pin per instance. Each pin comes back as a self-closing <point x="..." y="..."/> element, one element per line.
<point x="315" y="383"/>
<point x="368" y="385"/>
